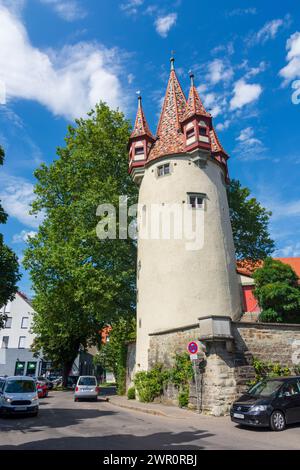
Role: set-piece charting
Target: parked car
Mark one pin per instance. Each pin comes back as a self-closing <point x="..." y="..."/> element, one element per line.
<point x="46" y="381"/>
<point x="86" y="388"/>
<point x="271" y="403"/>
<point x="19" y="395"/>
<point x="42" y="389"/>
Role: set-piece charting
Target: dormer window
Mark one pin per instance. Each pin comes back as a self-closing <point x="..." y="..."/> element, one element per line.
<point x="139" y="150"/>
<point x="190" y="133"/>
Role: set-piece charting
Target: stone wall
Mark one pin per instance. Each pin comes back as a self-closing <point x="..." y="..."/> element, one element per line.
<point x="228" y="368"/>
<point x="273" y="342"/>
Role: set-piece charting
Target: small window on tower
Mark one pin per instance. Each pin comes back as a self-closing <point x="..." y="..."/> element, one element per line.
<point x="196" y="201"/>
<point x="202" y="130"/>
<point x="190" y="133"/>
<point x="163" y="170"/>
<point x="139" y="150"/>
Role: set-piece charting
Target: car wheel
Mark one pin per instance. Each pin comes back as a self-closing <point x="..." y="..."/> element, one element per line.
<point x="277" y="421"/>
<point x="34" y="415"/>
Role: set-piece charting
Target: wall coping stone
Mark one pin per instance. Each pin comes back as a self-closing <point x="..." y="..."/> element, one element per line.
<point x="172" y="330"/>
<point x="261" y="325"/>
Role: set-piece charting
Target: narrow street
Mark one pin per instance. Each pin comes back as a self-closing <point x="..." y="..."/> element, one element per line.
<point x="63" y="424"/>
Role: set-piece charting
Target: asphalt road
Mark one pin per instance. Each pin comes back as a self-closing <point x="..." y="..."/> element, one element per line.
<point x="63" y="424"/>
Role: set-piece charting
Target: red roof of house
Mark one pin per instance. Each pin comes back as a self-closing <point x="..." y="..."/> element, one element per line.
<point x="141" y="127"/>
<point x="170" y="138"/>
<point x="247" y="267"/>
<point x="216" y="146"/>
<point x="176" y="109"/>
<point x="194" y="106"/>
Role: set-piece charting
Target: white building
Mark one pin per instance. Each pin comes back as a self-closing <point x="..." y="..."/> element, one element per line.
<point x="16" y="339"/>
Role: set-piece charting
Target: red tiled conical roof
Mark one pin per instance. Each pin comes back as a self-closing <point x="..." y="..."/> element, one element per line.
<point x="141" y="126"/>
<point x="194" y="104"/>
<point x="170" y="138"/>
<point x="215" y="143"/>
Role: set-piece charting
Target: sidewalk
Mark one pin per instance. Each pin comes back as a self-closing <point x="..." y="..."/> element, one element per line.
<point x="151" y="408"/>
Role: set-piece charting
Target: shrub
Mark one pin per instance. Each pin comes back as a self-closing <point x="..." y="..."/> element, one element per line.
<point x="131" y="393"/>
<point x="183" y="397"/>
<point x="149" y="385"/>
<point x="269" y="369"/>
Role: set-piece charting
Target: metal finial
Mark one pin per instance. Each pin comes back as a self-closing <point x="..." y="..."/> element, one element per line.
<point x="191" y="77"/>
<point x="172" y="60"/>
<point x="139" y="97"/>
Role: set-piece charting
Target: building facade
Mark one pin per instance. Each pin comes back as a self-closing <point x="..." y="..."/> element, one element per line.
<point x="16" y="339"/>
<point x="183" y="167"/>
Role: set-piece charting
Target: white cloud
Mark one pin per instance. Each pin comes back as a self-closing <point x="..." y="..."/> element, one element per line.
<point x="249" y="146"/>
<point x="69" y="10"/>
<point x="16" y="195"/>
<point x="23" y="236"/>
<point x="131" y="6"/>
<point x="163" y="24"/>
<point x="290" y="250"/>
<point x="222" y="126"/>
<point x="292" y="69"/>
<point x="68" y="82"/>
<point x="218" y="71"/>
<point x="244" y="93"/>
<point x="269" y="31"/>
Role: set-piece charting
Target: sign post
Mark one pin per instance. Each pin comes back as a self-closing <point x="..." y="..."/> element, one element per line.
<point x="193" y="349"/>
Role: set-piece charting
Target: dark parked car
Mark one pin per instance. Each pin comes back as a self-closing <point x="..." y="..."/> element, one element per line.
<point x="270" y="403"/>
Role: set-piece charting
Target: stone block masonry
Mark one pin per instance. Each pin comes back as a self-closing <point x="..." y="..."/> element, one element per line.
<point x="228" y="371"/>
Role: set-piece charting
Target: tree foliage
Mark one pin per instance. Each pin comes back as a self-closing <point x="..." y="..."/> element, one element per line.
<point x="113" y="354"/>
<point x="81" y="283"/>
<point x="9" y="267"/>
<point x="249" y="222"/>
<point x="278" y="292"/>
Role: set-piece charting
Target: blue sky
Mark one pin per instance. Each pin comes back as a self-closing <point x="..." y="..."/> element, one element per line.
<point x="59" y="57"/>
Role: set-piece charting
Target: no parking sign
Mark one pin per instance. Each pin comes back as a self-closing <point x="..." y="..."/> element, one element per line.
<point x="193" y="347"/>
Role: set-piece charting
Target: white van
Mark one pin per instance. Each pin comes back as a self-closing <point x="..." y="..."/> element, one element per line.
<point x="18" y="395"/>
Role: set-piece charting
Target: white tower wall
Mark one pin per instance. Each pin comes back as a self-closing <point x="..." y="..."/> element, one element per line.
<point x="176" y="286"/>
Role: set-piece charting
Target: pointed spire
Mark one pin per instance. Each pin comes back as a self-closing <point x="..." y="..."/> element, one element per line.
<point x="194" y="105"/>
<point x="141" y="127"/>
<point x="170" y="138"/>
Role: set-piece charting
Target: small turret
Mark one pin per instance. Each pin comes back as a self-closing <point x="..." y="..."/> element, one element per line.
<point x="196" y="121"/>
<point x="140" y="143"/>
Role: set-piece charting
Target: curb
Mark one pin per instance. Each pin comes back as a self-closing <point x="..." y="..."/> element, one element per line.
<point x="142" y="410"/>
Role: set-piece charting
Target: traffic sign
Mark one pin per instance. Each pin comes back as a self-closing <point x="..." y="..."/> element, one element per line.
<point x="193" y="347"/>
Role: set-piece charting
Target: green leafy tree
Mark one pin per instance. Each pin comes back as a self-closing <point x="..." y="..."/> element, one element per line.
<point x="81" y="283"/>
<point x="113" y="354"/>
<point x="9" y="267"/>
<point x="249" y="222"/>
<point x="278" y="292"/>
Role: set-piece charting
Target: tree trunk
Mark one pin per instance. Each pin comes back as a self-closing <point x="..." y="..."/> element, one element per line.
<point x="67" y="367"/>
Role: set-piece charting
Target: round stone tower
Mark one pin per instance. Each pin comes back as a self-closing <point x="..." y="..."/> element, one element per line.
<point x="186" y="259"/>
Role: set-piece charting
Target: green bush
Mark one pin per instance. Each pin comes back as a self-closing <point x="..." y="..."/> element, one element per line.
<point x="131" y="393"/>
<point x="183" y="397"/>
<point x="269" y="370"/>
<point x="149" y="385"/>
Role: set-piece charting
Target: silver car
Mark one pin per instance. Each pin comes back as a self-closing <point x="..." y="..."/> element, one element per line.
<point x="86" y="388"/>
<point x="18" y="395"/>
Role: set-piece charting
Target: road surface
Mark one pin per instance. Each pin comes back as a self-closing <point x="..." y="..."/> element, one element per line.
<point x="63" y="424"/>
